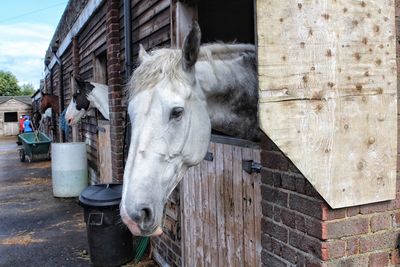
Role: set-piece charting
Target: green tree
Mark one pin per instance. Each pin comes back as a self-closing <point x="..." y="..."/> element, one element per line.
<point x="27" y="89"/>
<point x="8" y="84"/>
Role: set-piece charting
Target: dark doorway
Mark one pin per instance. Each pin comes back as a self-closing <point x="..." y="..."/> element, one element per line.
<point x="10" y="116"/>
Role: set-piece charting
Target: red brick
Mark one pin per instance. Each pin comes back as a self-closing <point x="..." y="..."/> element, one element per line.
<point x="395" y="204"/>
<point x="379" y="259"/>
<point x="378" y="241"/>
<point x="269" y="260"/>
<point x="311" y="191"/>
<point x="359" y="261"/>
<point x="336" y="214"/>
<point x="273" y="195"/>
<point x="380" y="222"/>
<point x="301" y="223"/>
<point x="274" y="160"/>
<point x="289" y="254"/>
<point x="277" y="214"/>
<point x="396" y="219"/>
<point x="288" y="218"/>
<point x="394" y="257"/>
<point x="315" y="228"/>
<point x="293" y="168"/>
<point x="348" y="227"/>
<point x="277" y="180"/>
<point x="276" y="247"/>
<point x="313" y="262"/>
<point x="283" y="251"/>
<point x="266" y="242"/>
<point x="352" y="246"/>
<point x="353" y="211"/>
<point x="267" y="209"/>
<point x="266" y="143"/>
<point x="267" y="176"/>
<point x="300" y="185"/>
<point x="288" y="182"/>
<point x="305" y="243"/>
<point x="274" y="230"/>
<point x="335" y="249"/>
<point x="305" y="205"/>
<point x="375" y="207"/>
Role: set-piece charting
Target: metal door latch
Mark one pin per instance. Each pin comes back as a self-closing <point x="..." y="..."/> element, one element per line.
<point x="209" y="156"/>
<point x="250" y="166"/>
<point x="101" y="129"/>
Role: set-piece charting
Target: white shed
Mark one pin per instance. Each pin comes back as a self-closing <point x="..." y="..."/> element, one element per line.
<point x="11" y="107"/>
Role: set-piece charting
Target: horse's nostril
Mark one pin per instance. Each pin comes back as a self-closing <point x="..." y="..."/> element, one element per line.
<point x="144" y="217"/>
<point x="69" y="121"/>
<point x="147" y="214"/>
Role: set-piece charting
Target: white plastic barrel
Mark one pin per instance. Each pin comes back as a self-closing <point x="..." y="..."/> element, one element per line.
<point x="68" y="169"/>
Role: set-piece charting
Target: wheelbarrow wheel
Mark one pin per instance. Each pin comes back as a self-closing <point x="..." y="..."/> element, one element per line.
<point x="22" y="155"/>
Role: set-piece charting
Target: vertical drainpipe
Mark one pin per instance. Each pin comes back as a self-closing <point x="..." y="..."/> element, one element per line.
<point x="50" y="91"/>
<point x="61" y="96"/>
<point x="75" y="71"/>
<point x="128" y="70"/>
<point x="128" y="38"/>
<point x="53" y="114"/>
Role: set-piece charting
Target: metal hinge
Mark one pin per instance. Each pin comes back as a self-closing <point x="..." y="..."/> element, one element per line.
<point x="250" y="166"/>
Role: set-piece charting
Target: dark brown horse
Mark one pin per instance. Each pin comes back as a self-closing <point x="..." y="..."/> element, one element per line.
<point x="49" y="101"/>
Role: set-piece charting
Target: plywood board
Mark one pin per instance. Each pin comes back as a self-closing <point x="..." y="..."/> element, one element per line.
<point x="328" y="93"/>
<point x="104" y="151"/>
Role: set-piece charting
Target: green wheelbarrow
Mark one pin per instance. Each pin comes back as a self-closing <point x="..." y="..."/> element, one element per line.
<point x="35" y="146"/>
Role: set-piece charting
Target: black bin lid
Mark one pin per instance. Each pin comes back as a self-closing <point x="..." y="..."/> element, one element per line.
<point x="101" y="195"/>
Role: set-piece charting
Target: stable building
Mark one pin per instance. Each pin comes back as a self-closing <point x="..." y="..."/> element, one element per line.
<point x="11" y="108"/>
<point x="326" y="194"/>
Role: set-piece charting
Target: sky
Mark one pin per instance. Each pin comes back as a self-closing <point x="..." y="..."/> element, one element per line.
<point x="26" y="28"/>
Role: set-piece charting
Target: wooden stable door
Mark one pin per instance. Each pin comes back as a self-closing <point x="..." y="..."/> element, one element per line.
<point x="222" y="210"/>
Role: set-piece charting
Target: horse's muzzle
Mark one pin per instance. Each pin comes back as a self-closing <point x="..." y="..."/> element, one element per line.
<point x="141" y="221"/>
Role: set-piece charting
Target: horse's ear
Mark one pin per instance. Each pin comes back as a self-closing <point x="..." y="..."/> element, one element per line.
<point x="80" y="84"/>
<point x="191" y="47"/>
<point x="142" y="54"/>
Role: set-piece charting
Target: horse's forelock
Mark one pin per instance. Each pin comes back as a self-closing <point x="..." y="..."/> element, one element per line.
<point x="161" y="64"/>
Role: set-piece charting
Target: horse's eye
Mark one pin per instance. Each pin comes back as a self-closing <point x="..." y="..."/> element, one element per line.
<point x="176" y="113"/>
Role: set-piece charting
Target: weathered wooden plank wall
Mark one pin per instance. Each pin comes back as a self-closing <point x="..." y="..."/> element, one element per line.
<point x="221" y="207"/>
<point x="328" y="94"/>
<point x="91" y="38"/>
<point x="150" y="24"/>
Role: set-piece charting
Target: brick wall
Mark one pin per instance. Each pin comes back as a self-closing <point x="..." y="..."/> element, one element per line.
<point x="300" y="229"/>
<point x="115" y="85"/>
<point x="167" y="247"/>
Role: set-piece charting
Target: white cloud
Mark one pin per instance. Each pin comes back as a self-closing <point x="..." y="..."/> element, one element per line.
<point x="22" y="48"/>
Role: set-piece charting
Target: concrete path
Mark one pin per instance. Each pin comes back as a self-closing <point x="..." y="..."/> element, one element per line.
<point x="36" y="229"/>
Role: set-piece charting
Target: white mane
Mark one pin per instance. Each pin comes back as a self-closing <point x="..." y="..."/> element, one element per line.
<point x="167" y="62"/>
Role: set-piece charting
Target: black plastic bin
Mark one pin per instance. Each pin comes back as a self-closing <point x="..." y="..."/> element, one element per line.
<point x="110" y="241"/>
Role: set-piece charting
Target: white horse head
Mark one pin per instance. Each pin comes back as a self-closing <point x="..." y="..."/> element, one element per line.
<point x="87" y="95"/>
<point x="171" y="128"/>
